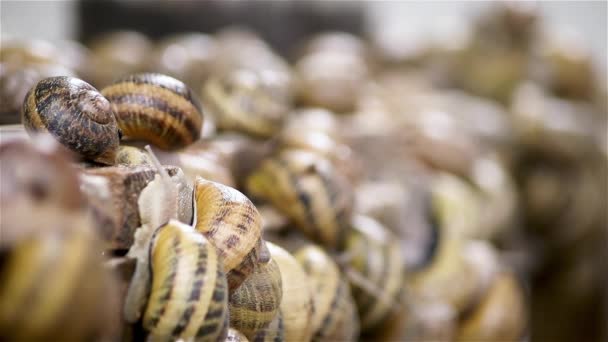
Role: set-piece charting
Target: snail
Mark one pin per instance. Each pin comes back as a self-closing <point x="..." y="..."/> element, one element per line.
<point x="55" y="288"/>
<point x="375" y="270"/>
<point x="131" y="156"/>
<point x="252" y="102"/>
<point x="156" y="108"/>
<point x="232" y="224"/>
<point x="297" y="305"/>
<point x="255" y="303"/>
<point x="335" y="316"/>
<point x="76" y="114"/>
<point x="307" y="188"/>
<point x="188" y="294"/>
<point x="235" y="336"/>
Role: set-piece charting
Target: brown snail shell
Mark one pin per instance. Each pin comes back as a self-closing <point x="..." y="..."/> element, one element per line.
<point x="309" y="190"/>
<point x="335" y="316"/>
<point x="156" y="108"/>
<point x="188" y="293"/>
<point x="297" y="305"/>
<point x="255" y="303"/>
<point x="232" y="224"/>
<point x="76" y="114"/>
<point x="55" y="288"/>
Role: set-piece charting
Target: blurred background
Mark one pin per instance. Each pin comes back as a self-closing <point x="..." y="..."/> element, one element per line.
<point x="495" y="113"/>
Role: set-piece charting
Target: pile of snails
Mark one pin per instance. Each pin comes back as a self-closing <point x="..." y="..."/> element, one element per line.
<point x="202" y="188"/>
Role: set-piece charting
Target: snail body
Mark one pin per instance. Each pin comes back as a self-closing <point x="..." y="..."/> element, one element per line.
<point x="297" y="305"/>
<point x="375" y="256"/>
<point x="76" y="114"/>
<point x="255" y="303"/>
<point x="335" y="316"/>
<point x="156" y="108"/>
<point x="232" y="224"/>
<point x="188" y="294"/>
<point x="308" y="189"/>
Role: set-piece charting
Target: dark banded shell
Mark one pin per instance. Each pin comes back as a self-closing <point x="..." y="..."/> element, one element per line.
<point x="335" y="317"/>
<point x="189" y="295"/>
<point x="76" y="114"/>
<point x="232" y="224"/>
<point x="256" y="302"/>
<point x="55" y="288"/>
<point x="375" y="256"/>
<point x="305" y="187"/>
<point x="156" y="108"/>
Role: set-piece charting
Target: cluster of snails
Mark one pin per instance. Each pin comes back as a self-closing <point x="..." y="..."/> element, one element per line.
<point x="351" y="197"/>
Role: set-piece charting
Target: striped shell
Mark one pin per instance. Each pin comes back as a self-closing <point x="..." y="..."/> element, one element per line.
<point x="256" y="302"/>
<point x="252" y="102"/>
<point x="76" y="114"/>
<point x="55" y="288"/>
<point x="297" y="305"/>
<point x="157" y="109"/>
<point x="232" y="224"/>
<point x="307" y="188"/>
<point x="189" y="295"/>
<point x="335" y="317"/>
<point x="376" y="257"/>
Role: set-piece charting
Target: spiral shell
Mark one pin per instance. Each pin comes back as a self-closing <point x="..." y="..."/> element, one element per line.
<point x="297" y="305"/>
<point x="76" y="114"/>
<point x="256" y="302"/>
<point x="232" y="224"/>
<point x="157" y="109"/>
<point x="55" y="288"/>
<point x="252" y="102"/>
<point x="375" y="256"/>
<point x="188" y="296"/>
<point x="335" y="316"/>
<point x="307" y="188"/>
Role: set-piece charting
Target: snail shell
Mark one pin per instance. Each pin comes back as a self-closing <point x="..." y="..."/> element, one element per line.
<point x="156" y="108"/>
<point x="232" y="224"/>
<point x="76" y="114"/>
<point x="132" y="156"/>
<point x="235" y="336"/>
<point x="375" y="255"/>
<point x="188" y="296"/>
<point x="255" y="303"/>
<point x="54" y="288"/>
<point x="274" y="332"/>
<point x="251" y="102"/>
<point x="297" y="305"/>
<point x="307" y="188"/>
<point x="335" y="316"/>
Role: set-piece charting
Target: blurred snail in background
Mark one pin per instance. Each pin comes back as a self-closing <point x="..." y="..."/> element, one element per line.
<point x="188" y="294"/>
<point x="233" y="225"/>
<point x="335" y="315"/>
<point x="247" y="101"/>
<point x="156" y="108"/>
<point x="255" y="304"/>
<point x="297" y="305"/>
<point x="372" y="252"/>
<point x="76" y="114"/>
<point x="309" y="190"/>
<point x="117" y="54"/>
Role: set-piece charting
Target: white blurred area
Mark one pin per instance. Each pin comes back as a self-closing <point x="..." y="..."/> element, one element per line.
<point x="584" y="20"/>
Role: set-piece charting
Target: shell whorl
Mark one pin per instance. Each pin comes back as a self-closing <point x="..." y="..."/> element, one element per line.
<point x="188" y="296"/>
<point x="335" y="316"/>
<point x="256" y="302"/>
<point x="232" y="224"/>
<point x="156" y="108"/>
<point x="76" y="114"/>
<point x="305" y="187"/>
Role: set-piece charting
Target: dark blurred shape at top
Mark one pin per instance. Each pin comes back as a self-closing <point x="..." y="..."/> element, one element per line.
<point x="281" y="23"/>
